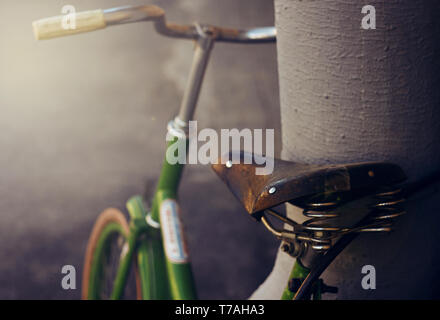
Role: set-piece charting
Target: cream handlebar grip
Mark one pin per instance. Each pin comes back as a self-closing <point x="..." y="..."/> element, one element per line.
<point x="69" y="24"/>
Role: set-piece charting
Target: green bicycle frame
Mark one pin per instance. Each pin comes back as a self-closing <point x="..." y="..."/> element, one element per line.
<point x="161" y="276"/>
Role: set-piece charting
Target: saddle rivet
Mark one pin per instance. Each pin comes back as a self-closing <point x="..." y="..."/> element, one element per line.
<point x="228" y="164"/>
<point x="272" y="190"/>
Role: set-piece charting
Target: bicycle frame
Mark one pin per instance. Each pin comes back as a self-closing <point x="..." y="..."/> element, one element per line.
<point x="161" y="275"/>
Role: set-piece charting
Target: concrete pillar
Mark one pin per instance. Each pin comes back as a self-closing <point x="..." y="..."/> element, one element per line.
<point x="350" y="94"/>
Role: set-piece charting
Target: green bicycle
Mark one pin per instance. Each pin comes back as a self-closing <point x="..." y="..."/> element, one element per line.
<point x="154" y="238"/>
<point x="153" y="242"/>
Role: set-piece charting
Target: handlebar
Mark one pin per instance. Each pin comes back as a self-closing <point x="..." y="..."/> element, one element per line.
<point x="87" y="21"/>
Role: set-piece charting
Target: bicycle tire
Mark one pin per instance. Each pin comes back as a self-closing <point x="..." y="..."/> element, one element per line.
<point x="110" y="223"/>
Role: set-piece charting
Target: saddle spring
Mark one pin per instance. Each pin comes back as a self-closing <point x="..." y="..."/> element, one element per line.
<point x="324" y="224"/>
<point x="387" y="206"/>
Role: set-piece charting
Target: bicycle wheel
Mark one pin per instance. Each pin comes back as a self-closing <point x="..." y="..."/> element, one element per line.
<point x="104" y="248"/>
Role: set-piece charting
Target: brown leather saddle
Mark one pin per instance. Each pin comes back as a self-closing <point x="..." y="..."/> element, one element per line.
<point x="292" y="180"/>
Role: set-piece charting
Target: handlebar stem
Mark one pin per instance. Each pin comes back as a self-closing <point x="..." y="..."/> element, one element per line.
<point x="202" y="52"/>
